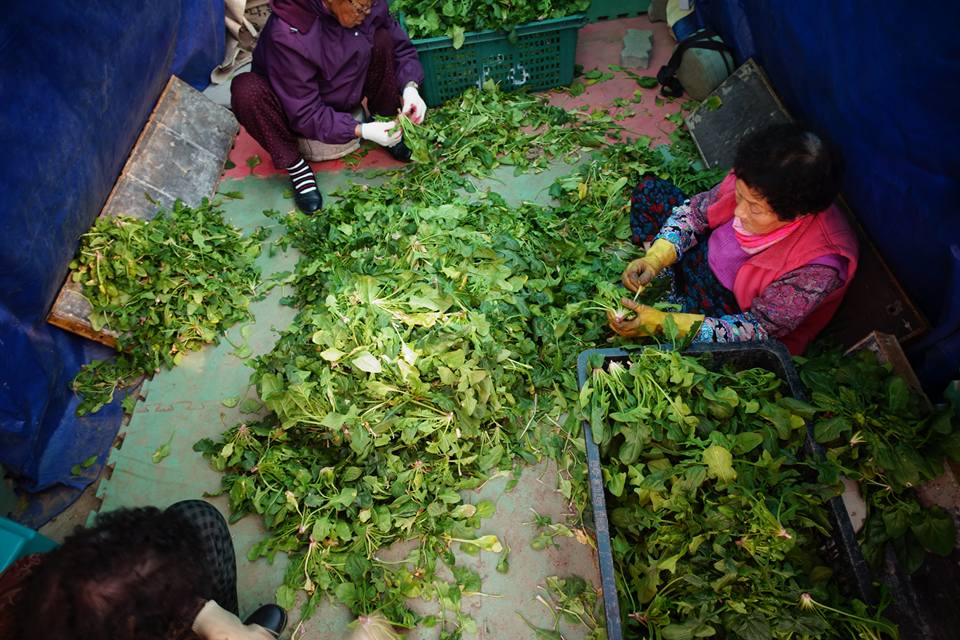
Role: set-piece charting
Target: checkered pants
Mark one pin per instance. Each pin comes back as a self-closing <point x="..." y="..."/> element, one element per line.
<point x="216" y="549"/>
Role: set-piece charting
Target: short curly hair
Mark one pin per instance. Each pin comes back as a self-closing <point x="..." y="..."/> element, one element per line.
<point x="796" y="170"/>
<point x="135" y="574"/>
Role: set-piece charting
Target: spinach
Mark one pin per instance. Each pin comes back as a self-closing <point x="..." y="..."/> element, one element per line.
<point x="716" y="518"/>
<point x="430" y="18"/>
<point x="434" y="348"/>
<point x="880" y="433"/>
<point x="166" y="286"/>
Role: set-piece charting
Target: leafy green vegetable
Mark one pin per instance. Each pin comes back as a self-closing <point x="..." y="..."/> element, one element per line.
<point x="129" y="402"/>
<point x="410" y="372"/>
<point x="713" y="534"/>
<point x="166" y="286"/>
<point x="78" y="469"/>
<point x="430" y="18"/>
<point x="163" y="451"/>
<point x="434" y="348"/>
<point x="890" y="440"/>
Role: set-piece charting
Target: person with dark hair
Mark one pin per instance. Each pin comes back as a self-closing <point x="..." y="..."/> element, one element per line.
<point x="764" y="254"/>
<point x="315" y="62"/>
<point x="142" y="574"/>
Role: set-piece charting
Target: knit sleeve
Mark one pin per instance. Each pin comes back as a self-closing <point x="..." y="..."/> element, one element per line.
<point x="778" y="310"/>
<point x="688" y="221"/>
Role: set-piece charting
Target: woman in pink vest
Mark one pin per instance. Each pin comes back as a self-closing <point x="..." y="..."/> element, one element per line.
<point x="764" y="254"/>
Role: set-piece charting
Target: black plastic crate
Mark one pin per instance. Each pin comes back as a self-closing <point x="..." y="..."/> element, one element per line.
<point x="769" y="355"/>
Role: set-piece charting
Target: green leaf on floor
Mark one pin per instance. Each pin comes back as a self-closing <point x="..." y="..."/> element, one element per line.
<point x="250" y="405"/>
<point x="161" y="453"/>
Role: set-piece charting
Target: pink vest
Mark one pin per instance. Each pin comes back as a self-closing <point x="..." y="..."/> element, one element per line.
<point x="825" y="233"/>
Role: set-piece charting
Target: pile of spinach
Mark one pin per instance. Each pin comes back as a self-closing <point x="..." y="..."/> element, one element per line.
<point x="167" y="286"/>
<point x="429" y="18"/>
<point x="433" y="349"/>
<point x="716" y="518"/>
<point x="890" y="440"/>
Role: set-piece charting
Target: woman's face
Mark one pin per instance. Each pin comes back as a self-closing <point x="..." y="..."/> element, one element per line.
<point x="350" y="13"/>
<point x="756" y="216"/>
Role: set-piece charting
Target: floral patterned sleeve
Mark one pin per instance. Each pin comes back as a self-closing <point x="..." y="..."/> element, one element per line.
<point x="688" y="221"/>
<point x="778" y="310"/>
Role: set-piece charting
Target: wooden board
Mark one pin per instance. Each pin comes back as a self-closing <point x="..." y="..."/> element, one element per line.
<point x="874" y="300"/>
<point x="179" y="155"/>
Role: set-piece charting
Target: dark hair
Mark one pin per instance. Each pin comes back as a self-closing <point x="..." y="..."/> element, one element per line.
<point x="794" y="169"/>
<point x="135" y="574"/>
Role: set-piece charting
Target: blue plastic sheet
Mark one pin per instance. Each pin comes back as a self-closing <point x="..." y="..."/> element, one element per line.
<point x="882" y="81"/>
<point x="201" y="42"/>
<point x="77" y="82"/>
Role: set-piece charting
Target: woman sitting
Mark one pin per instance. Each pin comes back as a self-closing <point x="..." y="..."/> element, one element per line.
<point x="314" y="64"/>
<point x="764" y="254"/>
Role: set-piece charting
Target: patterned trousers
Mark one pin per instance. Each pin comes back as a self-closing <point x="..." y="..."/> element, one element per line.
<point x="694" y="286"/>
<point x="216" y="549"/>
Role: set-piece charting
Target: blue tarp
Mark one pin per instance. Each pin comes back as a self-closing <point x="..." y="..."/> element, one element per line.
<point x="77" y="82"/>
<point x="882" y="80"/>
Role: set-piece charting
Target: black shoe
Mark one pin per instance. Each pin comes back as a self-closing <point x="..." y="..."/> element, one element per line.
<point x="271" y="617"/>
<point x="309" y="202"/>
<point x="400" y="152"/>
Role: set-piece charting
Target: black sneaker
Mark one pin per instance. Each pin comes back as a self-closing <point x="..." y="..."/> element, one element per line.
<point x="400" y="152"/>
<point x="271" y="617"/>
<point x="306" y="193"/>
<point x="309" y="202"/>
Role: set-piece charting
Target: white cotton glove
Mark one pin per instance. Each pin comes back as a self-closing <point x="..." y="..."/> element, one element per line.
<point x="385" y="134"/>
<point x="413" y="105"/>
<point x="215" y="623"/>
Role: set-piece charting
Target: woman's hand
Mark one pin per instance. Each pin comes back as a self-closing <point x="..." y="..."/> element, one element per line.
<point x="638" y="274"/>
<point x="385" y="134"/>
<point x="648" y="321"/>
<point x="645" y="321"/>
<point x="413" y="105"/>
<point x="216" y="623"/>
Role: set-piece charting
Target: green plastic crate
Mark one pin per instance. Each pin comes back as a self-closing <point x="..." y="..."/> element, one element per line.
<point x="541" y="58"/>
<point x="613" y="9"/>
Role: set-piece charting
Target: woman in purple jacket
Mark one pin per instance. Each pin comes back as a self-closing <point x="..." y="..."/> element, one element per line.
<point x="315" y="62"/>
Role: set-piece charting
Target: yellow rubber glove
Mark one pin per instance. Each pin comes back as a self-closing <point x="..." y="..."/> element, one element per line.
<point x="649" y="321"/>
<point x="641" y="271"/>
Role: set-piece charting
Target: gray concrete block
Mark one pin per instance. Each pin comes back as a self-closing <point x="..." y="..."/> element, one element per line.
<point x="637" y="47"/>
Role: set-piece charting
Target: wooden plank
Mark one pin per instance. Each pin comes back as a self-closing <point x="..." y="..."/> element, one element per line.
<point x="71" y="311"/>
<point x="874" y="300"/>
<point x="179" y="154"/>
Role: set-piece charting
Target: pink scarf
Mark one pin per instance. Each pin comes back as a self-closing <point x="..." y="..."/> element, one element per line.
<point x="753" y="243"/>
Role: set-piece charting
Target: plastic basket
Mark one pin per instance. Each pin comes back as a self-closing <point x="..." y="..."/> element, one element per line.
<point x="542" y="57"/>
<point x="17" y="541"/>
<point x="769" y="355"/>
<point x="613" y="9"/>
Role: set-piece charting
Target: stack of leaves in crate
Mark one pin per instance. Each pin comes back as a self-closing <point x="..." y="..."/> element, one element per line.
<point x="430" y="18"/>
<point x="887" y="438"/>
<point x="716" y="519"/>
